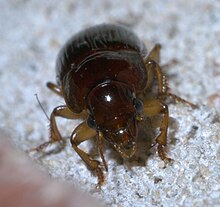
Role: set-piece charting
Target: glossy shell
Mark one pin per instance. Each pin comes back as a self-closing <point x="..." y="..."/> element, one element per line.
<point x="96" y="55"/>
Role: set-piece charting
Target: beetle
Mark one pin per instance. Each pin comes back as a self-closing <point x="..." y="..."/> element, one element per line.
<point x="104" y="74"/>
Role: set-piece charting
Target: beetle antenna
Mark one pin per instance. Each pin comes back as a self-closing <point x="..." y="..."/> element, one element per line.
<point x="41" y="107"/>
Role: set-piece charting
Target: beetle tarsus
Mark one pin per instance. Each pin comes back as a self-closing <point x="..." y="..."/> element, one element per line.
<point x="101" y="178"/>
<point x="179" y="99"/>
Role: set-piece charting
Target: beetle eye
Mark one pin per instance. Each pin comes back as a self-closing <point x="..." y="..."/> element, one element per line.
<point x="91" y="122"/>
<point x="138" y="105"/>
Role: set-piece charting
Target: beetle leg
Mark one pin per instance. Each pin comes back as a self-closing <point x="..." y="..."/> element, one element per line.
<point x="60" y="111"/>
<point x="163" y="89"/>
<point x="153" y="69"/>
<point x="100" y="145"/>
<point x="55" y="88"/>
<point x="154" y="107"/>
<point x="80" y="134"/>
<point x="154" y="56"/>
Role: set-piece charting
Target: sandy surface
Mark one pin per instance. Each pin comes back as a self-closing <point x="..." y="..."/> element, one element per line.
<point x="31" y="34"/>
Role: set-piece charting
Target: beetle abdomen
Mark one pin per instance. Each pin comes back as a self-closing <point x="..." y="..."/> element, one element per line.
<point x="104" y="36"/>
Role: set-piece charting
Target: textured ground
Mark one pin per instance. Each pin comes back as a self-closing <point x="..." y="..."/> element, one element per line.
<point x="31" y="33"/>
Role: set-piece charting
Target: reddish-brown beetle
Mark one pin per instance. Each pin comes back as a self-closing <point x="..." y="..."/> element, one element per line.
<point x="105" y="75"/>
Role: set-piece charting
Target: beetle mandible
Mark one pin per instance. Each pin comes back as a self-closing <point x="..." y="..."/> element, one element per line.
<point x="102" y="73"/>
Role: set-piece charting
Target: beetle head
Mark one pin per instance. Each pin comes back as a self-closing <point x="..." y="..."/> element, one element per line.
<point x="113" y="108"/>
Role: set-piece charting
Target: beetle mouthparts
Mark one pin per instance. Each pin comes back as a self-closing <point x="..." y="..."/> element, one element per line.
<point x="126" y="149"/>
